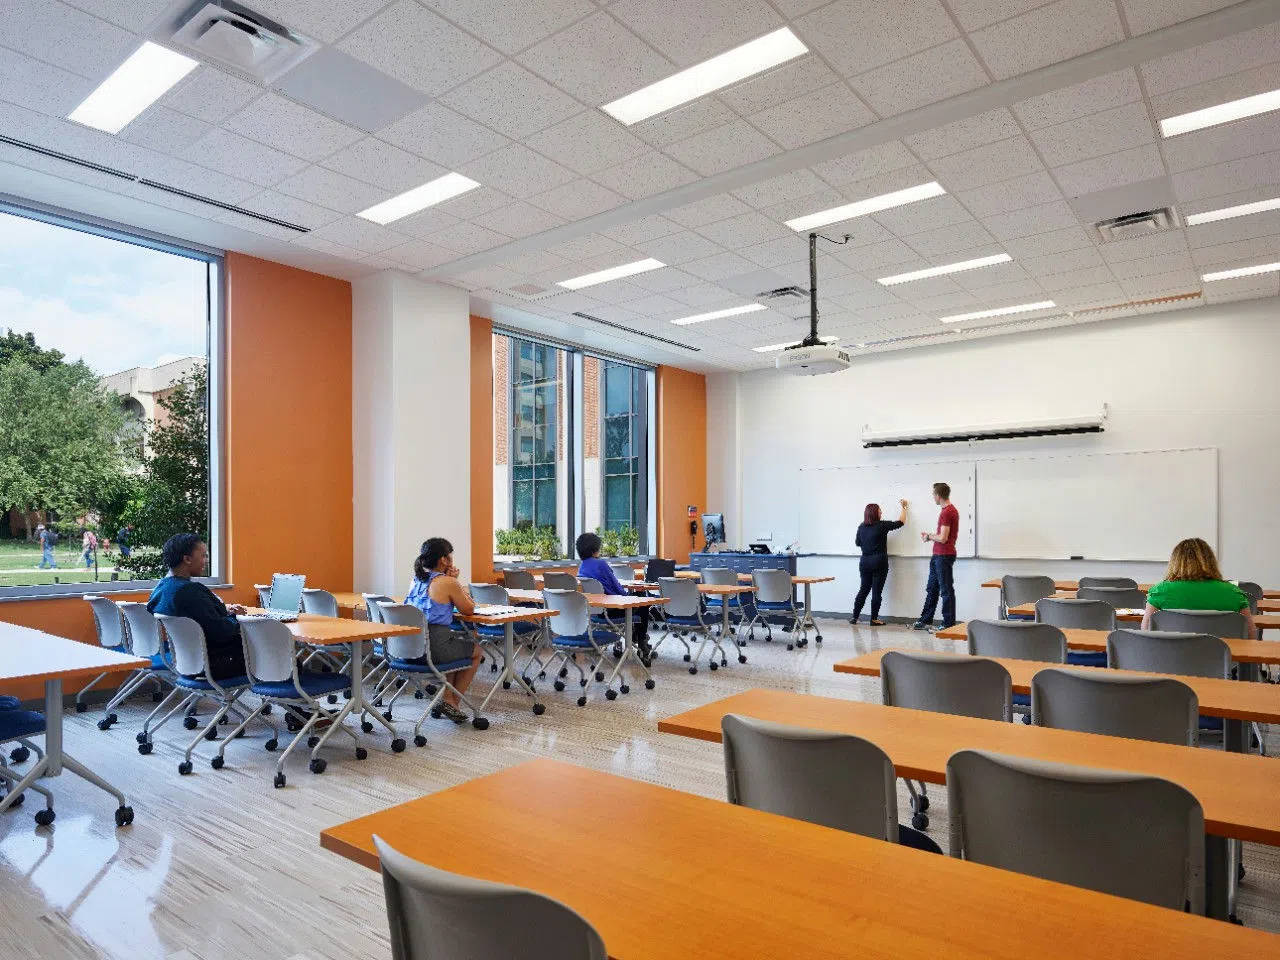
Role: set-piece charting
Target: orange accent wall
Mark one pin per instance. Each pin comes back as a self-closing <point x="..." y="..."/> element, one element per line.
<point x="682" y="456"/>
<point x="287" y="459"/>
<point x="482" y="544"/>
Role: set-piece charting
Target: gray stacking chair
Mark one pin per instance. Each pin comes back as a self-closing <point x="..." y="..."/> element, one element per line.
<point x="553" y="580"/>
<point x="1015" y="591"/>
<point x="1121" y="598"/>
<point x="320" y="602"/>
<point x="142" y="631"/>
<point x="1096" y="701"/>
<point x="373" y="605"/>
<point x="775" y="597"/>
<point x="724" y="577"/>
<point x="111" y="636"/>
<point x="1164" y="651"/>
<point x="1253" y="593"/>
<point x="519" y="580"/>
<point x="264" y="595"/>
<point x="1076" y="614"/>
<point x="1216" y="623"/>
<point x="833" y="779"/>
<point x="966" y="687"/>
<point x="435" y="915"/>
<point x="1075" y="825"/>
<point x="1017" y="640"/>
<point x="623" y="571"/>
<point x="409" y="659"/>
<point x="492" y="639"/>
<point x="1086" y="582"/>
<point x="574" y="633"/>
<point x="685" y="615"/>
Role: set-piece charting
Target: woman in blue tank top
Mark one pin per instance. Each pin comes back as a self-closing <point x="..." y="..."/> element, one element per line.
<point x="437" y="592"/>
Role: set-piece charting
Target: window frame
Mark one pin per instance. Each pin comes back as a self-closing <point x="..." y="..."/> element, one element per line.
<point x="215" y="341"/>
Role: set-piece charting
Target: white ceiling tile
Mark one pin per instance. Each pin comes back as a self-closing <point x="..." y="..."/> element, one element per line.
<point x="384" y="165"/>
<point x="691" y="32"/>
<point x="646" y="228"/>
<point x="775" y="190"/>
<point x="536" y="263"/>
<point x="516" y="25"/>
<point x="615" y="292"/>
<point x="285" y="125"/>
<point x="975" y="14"/>
<point x="1018" y="291"/>
<point x="1076" y="279"/>
<point x="1203" y="148"/>
<point x="721" y="206"/>
<point x="1095" y="135"/>
<point x="1096" y="295"/>
<point x="1234" y="86"/>
<point x="946" y="304"/>
<point x="1238" y="253"/>
<point x="955" y="239"/>
<point x="857" y="35"/>
<point x="519" y="219"/>
<point x="1151" y="266"/>
<point x="577" y="199"/>
<point x="678" y="248"/>
<point x="474" y="203"/>
<point x="487" y="278"/>
<point x="594" y="245"/>
<point x="780" y="85"/>
<point x="467" y="238"/>
<point x="1245" y="174"/>
<point x="975" y="131"/>
<point x="931" y="287"/>
<point x="1209" y="61"/>
<point x="233" y="154"/>
<point x="40" y="86"/>
<point x="361" y="235"/>
<point x="167" y="131"/>
<point x="980" y="166"/>
<point x="700" y="116"/>
<point x="667" y="281"/>
<point x="1079" y="100"/>
<point x="419" y="48"/>
<point x="744" y="230"/>
<point x="339" y="250"/>
<point x="996" y="276"/>
<point x="1064" y="261"/>
<point x="1147" y="15"/>
<point x="700" y="295"/>
<point x="1156" y="245"/>
<point x="876" y="256"/>
<point x="333" y="190"/>
<point x="291" y="209"/>
<point x="588" y="142"/>
<point x="1244" y="228"/>
<point x="725" y="148"/>
<point x="646" y="175"/>
<point x="1033" y="220"/>
<point x="815" y="116"/>
<point x="441" y="135"/>
<point x="518" y="171"/>
<point x="655" y="305"/>
<point x="864" y="164"/>
<point x="210" y="95"/>
<point x="922" y="79"/>
<point x="1028" y="191"/>
<point x="1040" y="245"/>
<point x="421" y="254"/>
<point x="1244" y="288"/>
<point x="135" y="15"/>
<point x="776" y="253"/>
<point x="512" y="101"/>
<point x="824" y="199"/>
<point x="1116" y="170"/>
<point x="597" y="60"/>
<point x="1048" y="35"/>
<point x="926" y="215"/>
<point x="66" y="37"/>
<point x="323" y="20"/>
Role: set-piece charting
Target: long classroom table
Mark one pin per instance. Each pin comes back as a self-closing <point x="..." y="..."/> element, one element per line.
<point x="756" y="884"/>
<point x="1240" y="793"/>
<point x="1073" y="585"/>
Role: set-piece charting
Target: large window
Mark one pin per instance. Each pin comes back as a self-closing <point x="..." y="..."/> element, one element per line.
<point x="105" y="403"/>
<point x="623" y="429"/>
<point x="537" y="378"/>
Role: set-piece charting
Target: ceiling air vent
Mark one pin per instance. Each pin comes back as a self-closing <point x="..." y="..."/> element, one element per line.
<point x="1133" y="225"/>
<point x="234" y="36"/>
<point x="784" y="293"/>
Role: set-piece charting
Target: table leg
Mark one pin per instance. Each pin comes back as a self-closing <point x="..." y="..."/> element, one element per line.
<point x="1217" y="877"/>
<point x="357" y="705"/>
<point x="53" y="727"/>
<point x="628" y="653"/>
<point x="508" y="675"/>
<point x="808" y="612"/>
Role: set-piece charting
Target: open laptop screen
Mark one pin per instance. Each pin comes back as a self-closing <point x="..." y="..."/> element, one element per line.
<point x="286" y="591"/>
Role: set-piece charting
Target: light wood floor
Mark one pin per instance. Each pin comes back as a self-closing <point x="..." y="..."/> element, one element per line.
<point x="221" y="866"/>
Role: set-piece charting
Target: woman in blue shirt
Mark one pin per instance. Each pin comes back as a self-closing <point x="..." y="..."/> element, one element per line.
<point x="593" y="566"/>
<point x="438" y="593"/>
<point x="872" y="539"/>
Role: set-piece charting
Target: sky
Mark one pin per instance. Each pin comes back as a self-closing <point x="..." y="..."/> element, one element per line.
<point x="111" y="304"/>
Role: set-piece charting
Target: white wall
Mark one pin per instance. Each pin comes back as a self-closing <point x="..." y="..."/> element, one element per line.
<point x="1200" y="377"/>
<point x="411" y="400"/>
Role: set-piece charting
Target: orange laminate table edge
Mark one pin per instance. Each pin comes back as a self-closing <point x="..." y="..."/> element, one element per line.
<point x="334" y="631"/>
<point x="827" y="894"/>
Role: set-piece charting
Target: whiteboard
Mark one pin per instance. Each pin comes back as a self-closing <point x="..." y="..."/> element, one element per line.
<point x="831" y="501"/>
<point x="1101" y="506"/>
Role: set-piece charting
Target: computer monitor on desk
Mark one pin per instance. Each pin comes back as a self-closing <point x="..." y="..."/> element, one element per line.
<point x="713" y="528"/>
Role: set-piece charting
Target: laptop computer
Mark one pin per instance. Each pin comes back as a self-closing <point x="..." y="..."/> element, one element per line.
<point x="760" y="548"/>
<point x="286" y="596"/>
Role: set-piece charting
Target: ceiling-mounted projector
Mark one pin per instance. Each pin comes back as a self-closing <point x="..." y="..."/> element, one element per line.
<point x="812" y="355"/>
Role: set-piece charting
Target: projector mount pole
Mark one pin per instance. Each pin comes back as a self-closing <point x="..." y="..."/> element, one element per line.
<point x="812" y="339"/>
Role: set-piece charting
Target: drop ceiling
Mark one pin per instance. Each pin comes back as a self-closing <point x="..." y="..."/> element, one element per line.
<point x="1026" y="112"/>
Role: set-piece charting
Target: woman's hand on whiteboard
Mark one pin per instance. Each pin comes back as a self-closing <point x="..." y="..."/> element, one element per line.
<point x="903" y="504"/>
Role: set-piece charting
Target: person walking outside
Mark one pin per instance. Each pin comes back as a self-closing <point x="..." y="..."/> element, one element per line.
<point x="942" y="563"/>
<point x="872" y="539"/>
<point x="48" y="540"/>
<point x="89" y="543"/>
<point x="123" y="536"/>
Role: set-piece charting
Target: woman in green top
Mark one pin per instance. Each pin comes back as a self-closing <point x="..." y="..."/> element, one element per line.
<point x="1194" y="582"/>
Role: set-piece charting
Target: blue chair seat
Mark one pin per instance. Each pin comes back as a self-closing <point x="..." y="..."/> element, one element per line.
<point x="157" y="662"/>
<point x="20" y="723"/>
<point x="1021" y="700"/>
<point x="200" y="683"/>
<point x="1028" y="617"/>
<point x="719" y="602"/>
<point x="10" y="703"/>
<point x="582" y="640"/>
<point x="519" y="628"/>
<point x="1098" y="659"/>
<point x="774" y="605"/>
<point x="312" y="684"/>
<point x="410" y="666"/>
<point x="683" y="621"/>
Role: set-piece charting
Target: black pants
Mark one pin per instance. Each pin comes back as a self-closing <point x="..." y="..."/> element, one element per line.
<point x="874" y="570"/>
<point x="940" y="583"/>
<point x="639" y="625"/>
<point x="226" y="662"/>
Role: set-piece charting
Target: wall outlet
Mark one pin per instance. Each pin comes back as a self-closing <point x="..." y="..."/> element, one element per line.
<point x="764" y="536"/>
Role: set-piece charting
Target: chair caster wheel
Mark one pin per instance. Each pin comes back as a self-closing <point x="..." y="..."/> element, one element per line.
<point x="239" y="734"/>
<point x="599" y="676"/>
<point x="419" y="741"/>
<point x="617" y="649"/>
<point x="742" y="658"/>
<point x="124" y="816"/>
<point x="184" y="767"/>
<point x="582" y="701"/>
<point x="1239" y="872"/>
<point x="714" y="666"/>
<point x="217" y="763"/>
<point x="1231" y="919"/>
<point x="190" y="723"/>
<point x="211" y="734"/>
<point x="624" y="689"/>
<point x="791" y="646"/>
<point x="539" y="709"/>
<point x="611" y="694"/>
<point x="346" y="694"/>
<point x="157" y="697"/>
<point x="21" y="754"/>
<point x="386" y="715"/>
<point x="104" y="724"/>
<point x="267" y="708"/>
<point x="687" y="658"/>
<point x="817" y="638"/>
<point x="480" y="723"/>
<point x="333" y="698"/>
<point x="81" y="707"/>
<point x="271" y="745"/>
<point x="44" y="817"/>
<point x="417" y="694"/>
<point x="564" y="672"/>
<point x="279" y="781"/>
<point x="437" y="713"/>
<point x="144" y="748"/>
<point x="919" y="821"/>
<point x="649" y="684"/>
<point x="582" y="682"/>
<point x="397" y="745"/>
<point x="542" y="674"/>
<point x="506" y="684"/>
<point x="366" y="726"/>
<point x="312" y="740"/>
<point x="18" y="801"/>
<point x="558" y="685"/>
<point x="920" y="804"/>
<point x="693" y="669"/>
<point x="362" y="753"/>
<point x="493" y="668"/>
<point x="317" y="765"/>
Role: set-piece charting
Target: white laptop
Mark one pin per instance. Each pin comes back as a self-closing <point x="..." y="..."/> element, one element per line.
<point x="286" y="596"/>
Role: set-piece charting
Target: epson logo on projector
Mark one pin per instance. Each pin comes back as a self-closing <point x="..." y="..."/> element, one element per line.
<point x="812" y="361"/>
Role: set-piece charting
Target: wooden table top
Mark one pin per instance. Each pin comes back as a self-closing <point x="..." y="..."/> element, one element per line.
<point x="523" y="615"/>
<point x="332" y="631"/>
<point x="795" y="579"/>
<point x="1242" y="651"/>
<point x="1229" y="699"/>
<point x="1123" y="614"/>
<point x="604" y="601"/>
<point x="1240" y="793"/>
<point x="826" y="895"/>
<point x="27" y="654"/>
<point x="1073" y="585"/>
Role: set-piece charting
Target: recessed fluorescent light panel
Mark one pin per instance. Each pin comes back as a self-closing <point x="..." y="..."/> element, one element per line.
<point x="1230" y="213"/>
<point x="1222" y="113"/>
<point x="613" y="273"/>
<point x="942" y="271"/>
<point x="1242" y="272"/>
<point x="135" y="85"/>
<point x="899" y="198"/>
<point x="775" y="347"/>
<point x="707" y="77"/>
<point x="419" y="198"/>
<point x="717" y="314"/>
<point x="1000" y="311"/>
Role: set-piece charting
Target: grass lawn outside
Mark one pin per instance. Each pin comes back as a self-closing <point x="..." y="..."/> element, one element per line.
<point x="20" y="564"/>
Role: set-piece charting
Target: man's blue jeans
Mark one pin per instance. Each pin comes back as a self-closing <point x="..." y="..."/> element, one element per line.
<point x="940" y="582"/>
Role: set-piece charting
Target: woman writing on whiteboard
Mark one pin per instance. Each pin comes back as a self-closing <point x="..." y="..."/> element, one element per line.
<point x="873" y="540"/>
<point x="1194" y="582"/>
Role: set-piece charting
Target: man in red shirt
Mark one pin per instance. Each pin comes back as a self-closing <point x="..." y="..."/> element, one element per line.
<point x="942" y="562"/>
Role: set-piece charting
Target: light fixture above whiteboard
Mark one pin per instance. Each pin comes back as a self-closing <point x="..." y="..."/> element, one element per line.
<point x="969" y="432"/>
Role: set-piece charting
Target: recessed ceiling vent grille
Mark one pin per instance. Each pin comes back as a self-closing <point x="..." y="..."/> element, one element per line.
<point x="784" y="293"/>
<point x="636" y="333"/>
<point x="234" y="36"/>
<point x="1133" y="225"/>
